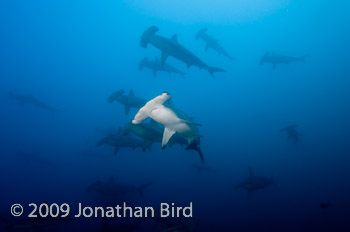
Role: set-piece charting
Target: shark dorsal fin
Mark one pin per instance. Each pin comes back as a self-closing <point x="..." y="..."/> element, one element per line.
<point x="131" y="93"/>
<point x="250" y="172"/>
<point x="174" y="38"/>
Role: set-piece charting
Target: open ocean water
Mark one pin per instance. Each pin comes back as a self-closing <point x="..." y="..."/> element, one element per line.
<point x="254" y="96"/>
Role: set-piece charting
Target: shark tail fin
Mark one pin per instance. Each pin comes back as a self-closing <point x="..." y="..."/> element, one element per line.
<point x="213" y="70"/>
<point x="141" y="188"/>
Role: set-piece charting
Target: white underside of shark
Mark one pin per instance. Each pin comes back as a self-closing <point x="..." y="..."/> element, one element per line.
<point x="165" y="116"/>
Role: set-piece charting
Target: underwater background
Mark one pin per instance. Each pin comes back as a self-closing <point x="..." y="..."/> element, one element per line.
<point x="66" y="58"/>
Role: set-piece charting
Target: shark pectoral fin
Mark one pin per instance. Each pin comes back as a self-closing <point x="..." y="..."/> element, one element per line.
<point x="127" y="109"/>
<point x="168" y="133"/>
<point x="163" y="58"/>
<point x="146" y="145"/>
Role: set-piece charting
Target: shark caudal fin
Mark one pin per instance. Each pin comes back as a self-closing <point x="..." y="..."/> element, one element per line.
<point x="146" y="34"/>
<point x="141" y="188"/>
<point x="213" y="70"/>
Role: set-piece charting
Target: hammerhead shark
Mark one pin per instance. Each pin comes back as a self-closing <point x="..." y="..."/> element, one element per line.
<point x="212" y="43"/>
<point x="29" y="99"/>
<point x="292" y="133"/>
<point x="253" y="183"/>
<point x="275" y="59"/>
<point x="164" y="115"/>
<point x="112" y="189"/>
<point x="156" y="67"/>
<point x="129" y="101"/>
<point x="171" y="47"/>
<point x="118" y="141"/>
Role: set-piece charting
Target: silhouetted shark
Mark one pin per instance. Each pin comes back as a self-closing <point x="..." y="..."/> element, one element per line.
<point x="275" y="59"/>
<point x="156" y="66"/>
<point x="292" y="133"/>
<point x="129" y="101"/>
<point x="253" y="183"/>
<point x="119" y="141"/>
<point x="210" y="42"/>
<point x="28" y="99"/>
<point x="35" y="157"/>
<point x="170" y="47"/>
<point x="112" y="189"/>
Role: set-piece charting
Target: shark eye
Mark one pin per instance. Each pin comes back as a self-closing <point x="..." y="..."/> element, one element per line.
<point x="166" y="93"/>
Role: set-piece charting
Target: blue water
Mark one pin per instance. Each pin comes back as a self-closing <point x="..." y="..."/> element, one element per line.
<point x="73" y="54"/>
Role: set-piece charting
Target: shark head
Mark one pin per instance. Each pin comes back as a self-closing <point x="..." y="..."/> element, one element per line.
<point x="263" y="58"/>
<point x="146" y="34"/>
<point x="142" y="63"/>
<point x="165" y="96"/>
<point x="114" y="96"/>
<point x="200" y="33"/>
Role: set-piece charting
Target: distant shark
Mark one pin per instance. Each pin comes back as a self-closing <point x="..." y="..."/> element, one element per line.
<point x="119" y="141"/>
<point x="28" y="99"/>
<point x="167" y="117"/>
<point x="275" y="59"/>
<point x="35" y="157"/>
<point x="129" y="101"/>
<point x="292" y="133"/>
<point x="170" y="47"/>
<point x="112" y="189"/>
<point x="253" y="183"/>
<point x="156" y="67"/>
<point x="211" y="43"/>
